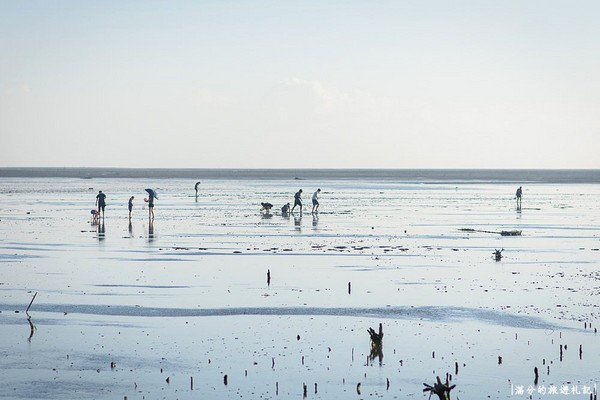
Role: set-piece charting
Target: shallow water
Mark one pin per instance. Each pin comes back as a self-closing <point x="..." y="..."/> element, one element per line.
<point x="192" y="287"/>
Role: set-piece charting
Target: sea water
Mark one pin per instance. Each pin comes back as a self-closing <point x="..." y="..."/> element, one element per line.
<point x="186" y="295"/>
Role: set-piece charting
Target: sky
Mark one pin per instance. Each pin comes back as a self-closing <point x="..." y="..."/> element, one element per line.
<point x="300" y="84"/>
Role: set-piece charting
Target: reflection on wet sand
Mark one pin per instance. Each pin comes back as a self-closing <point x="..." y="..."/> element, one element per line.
<point x="101" y="230"/>
<point x="197" y="291"/>
<point x="151" y="231"/>
<point x="298" y="221"/>
<point x="32" y="327"/>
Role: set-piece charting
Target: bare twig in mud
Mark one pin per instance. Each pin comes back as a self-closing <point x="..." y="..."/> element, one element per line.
<point x="376" y="344"/>
<point x="31" y="302"/>
<point x="561" y="352"/>
<point x="442" y="390"/>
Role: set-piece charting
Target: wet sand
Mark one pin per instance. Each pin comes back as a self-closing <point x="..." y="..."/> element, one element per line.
<point x="186" y="299"/>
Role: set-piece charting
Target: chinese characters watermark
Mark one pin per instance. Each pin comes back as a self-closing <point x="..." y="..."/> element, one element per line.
<point x="553" y="390"/>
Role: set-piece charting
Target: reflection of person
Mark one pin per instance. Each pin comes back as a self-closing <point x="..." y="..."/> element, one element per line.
<point x="101" y="202"/>
<point x="151" y="231"/>
<point x="101" y="231"/>
<point x="298" y="200"/>
<point x="298" y="222"/>
<point x="518" y="196"/>
<point x="315" y="200"/>
<point x="130" y="205"/>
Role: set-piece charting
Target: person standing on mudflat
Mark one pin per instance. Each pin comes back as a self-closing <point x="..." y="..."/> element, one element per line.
<point x="518" y="195"/>
<point x="150" y="200"/>
<point x="151" y="197"/>
<point x="130" y="205"/>
<point x="298" y="200"/>
<point x="315" y="201"/>
<point x="101" y="202"/>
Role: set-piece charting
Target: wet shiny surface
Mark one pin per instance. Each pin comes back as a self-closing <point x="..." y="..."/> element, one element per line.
<point x="189" y="294"/>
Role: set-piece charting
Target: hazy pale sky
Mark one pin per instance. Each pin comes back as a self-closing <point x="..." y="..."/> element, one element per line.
<point x="300" y="84"/>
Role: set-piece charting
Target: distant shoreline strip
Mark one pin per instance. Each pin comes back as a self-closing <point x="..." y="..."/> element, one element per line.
<point x="520" y="176"/>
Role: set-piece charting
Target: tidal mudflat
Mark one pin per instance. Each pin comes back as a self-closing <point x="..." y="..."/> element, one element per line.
<point x="217" y="300"/>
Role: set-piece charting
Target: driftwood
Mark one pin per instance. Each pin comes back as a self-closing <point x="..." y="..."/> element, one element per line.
<point x="376" y="338"/>
<point x="442" y="390"/>
<point x="501" y="233"/>
<point x="376" y="344"/>
<point x="31" y="302"/>
<point x="498" y="254"/>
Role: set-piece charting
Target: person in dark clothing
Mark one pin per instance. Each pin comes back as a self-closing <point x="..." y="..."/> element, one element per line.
<point x="298" y="200"/>
<point x="151" y="198"/>
<point x="101" y="202"/>
<point x="130" y="205"/>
